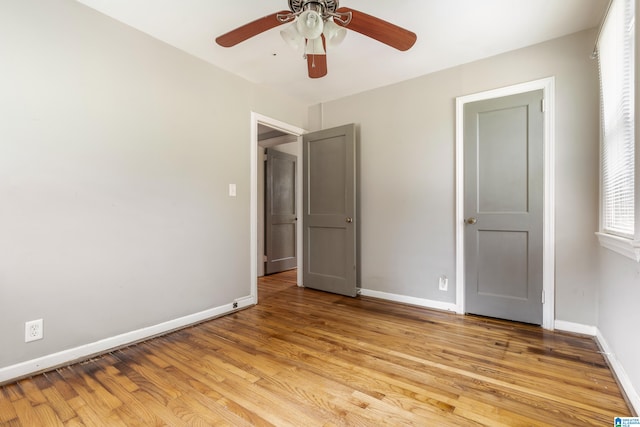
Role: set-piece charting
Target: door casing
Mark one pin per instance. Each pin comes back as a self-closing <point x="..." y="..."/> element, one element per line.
<point x="548" y="87"/>
<point x="256" y="119"/>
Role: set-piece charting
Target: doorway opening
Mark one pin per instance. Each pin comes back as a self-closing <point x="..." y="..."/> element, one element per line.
<point x="266" y="133"/>
<point x="547" y="85"/>
<point x="277" y="186"/>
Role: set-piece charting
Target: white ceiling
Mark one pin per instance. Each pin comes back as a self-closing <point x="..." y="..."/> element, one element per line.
<point x="450" y="33"/>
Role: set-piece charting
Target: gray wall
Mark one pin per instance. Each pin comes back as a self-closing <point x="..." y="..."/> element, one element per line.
<point x="116" y="152"/>
<point x="408" y="176"/>
<point x="619" y="317"/>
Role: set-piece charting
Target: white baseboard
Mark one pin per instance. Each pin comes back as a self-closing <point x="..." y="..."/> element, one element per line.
<point x="422" y="302"/>
<point x="616" y="366"/>
<point x="625" y="382"/>
<point x="576" y="328"/>
<point x="245" y="302"/>
<point x="66" y="357"/>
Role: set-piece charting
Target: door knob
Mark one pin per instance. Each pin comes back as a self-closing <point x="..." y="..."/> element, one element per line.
<point x="471" y="220"/>
<point x="349" y="220"/>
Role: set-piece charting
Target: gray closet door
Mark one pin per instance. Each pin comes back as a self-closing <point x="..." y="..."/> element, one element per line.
<point x="280" y="212"/>
<point x="503" y="204"/>
<point x="330" y="210"/>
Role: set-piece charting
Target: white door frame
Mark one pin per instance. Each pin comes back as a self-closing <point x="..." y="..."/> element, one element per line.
<point x="548" y="263"/>
<point x="253" y="206"/>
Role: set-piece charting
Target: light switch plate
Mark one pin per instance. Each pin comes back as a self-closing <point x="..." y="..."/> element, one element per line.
<point x="232" y="190"/>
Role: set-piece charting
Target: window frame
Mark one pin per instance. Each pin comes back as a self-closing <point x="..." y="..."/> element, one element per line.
<point x="626" y="246"/>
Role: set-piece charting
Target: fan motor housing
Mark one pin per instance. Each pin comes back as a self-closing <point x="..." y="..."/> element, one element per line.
<point x="297" y="6"/>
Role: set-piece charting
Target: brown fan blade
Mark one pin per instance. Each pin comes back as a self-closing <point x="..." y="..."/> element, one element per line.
<point x="251" y="29"/>
<point x="383" y="31"/>
<point x="317" y="66"/>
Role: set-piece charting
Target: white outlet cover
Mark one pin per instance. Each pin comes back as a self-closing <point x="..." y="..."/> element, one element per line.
<point x="443" y="283"/>
<point x="33" y="330"/>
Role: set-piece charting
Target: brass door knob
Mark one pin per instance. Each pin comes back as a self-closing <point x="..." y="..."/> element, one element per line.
<point x="471" y="220"/>
<point x="349" y="220"/>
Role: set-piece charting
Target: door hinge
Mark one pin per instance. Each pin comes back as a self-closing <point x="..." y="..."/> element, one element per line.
<point x="264" y="258"/>
<point x="543" y="105"/>
<point x="543" y="296"/>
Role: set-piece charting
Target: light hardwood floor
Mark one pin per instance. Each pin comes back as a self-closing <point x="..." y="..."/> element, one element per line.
<point x="307" y="358"/>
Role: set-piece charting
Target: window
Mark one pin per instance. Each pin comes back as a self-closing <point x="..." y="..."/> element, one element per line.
<point x="615" y="52"/>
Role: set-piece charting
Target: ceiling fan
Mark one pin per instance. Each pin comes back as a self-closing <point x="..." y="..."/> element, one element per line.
<point x="317" y="24"/>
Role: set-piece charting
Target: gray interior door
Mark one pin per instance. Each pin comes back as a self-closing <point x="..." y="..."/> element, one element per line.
<point x="329" y="170"/>
<point x="280" y="211"/>
<point x="503" y="205"/>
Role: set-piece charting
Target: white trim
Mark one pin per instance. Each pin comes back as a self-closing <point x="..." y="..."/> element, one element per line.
<point x="548" y="263"/>
<point x="421" y="302"/>
<point x="256" y="119"/>
<point x="272" y="142"/>
<point x="576" y="328"/>
<point x="65" y="357"/>
<point x="616" y="366"/>
<point x="627" y="247"/>
<point x="625" y="382"/>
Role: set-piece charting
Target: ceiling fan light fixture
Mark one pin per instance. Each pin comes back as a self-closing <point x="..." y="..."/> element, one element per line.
<point x="292" y="36"/>
<point x="310" y="24"/>
<point x="333" y="33"/>
<point x="316" y="25"/>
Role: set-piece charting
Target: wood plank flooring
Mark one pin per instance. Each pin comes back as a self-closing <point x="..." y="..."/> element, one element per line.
<point x="307" y="358"/>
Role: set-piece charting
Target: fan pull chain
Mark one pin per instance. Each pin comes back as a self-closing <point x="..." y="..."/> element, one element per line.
<point x="313" y="60"/>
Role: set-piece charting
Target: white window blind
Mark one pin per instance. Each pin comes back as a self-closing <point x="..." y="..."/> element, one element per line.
<point x="616" y="63"/>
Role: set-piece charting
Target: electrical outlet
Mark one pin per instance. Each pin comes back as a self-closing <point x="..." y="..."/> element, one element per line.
<point x="33" y="330"/>
<point x="443" y="283"/>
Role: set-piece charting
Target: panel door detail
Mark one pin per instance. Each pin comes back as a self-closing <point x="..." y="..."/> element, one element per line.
<point x="503" y="207"/>
<point x="329" y="172"/>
